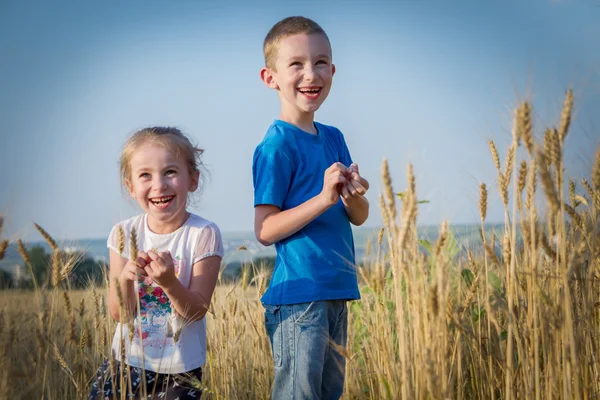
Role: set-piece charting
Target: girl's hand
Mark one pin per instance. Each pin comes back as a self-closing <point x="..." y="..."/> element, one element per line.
<point x="134" y="271"/>
<point x="161" y="268"/>
<point x="333" y="182"/>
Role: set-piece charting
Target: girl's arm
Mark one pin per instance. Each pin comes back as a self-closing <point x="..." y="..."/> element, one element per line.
<point x="193" y="302"/>
<point x="121" y="273"/>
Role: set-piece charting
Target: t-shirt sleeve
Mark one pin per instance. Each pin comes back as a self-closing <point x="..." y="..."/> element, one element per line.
<point x="346" y="159"/>
<point x="209" y="243"/>
<point x="117" y="241"/>
<point x="271" y="174"/>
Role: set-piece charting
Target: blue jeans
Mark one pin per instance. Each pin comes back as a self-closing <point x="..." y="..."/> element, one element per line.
<point x="304" y="338"/>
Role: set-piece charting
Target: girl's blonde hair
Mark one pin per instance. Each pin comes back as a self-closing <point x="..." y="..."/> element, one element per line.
<point x="173" y="140"/>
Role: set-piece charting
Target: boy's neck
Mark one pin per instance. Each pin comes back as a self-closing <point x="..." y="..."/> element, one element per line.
<point x="304" y="121"/>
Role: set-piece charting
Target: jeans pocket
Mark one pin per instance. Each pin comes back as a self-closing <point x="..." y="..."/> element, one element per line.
<point x="308" y="313"/>
<point x="273" y="328"/>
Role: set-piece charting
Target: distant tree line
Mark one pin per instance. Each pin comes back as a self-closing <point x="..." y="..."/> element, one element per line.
<point x="79" y="271"/>
<point x="76" y="270"/>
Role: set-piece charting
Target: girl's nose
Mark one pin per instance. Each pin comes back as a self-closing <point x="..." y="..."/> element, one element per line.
<point x="160" y="182"/>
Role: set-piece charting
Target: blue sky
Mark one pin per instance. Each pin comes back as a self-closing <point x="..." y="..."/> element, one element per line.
<point x="426" y="82"/>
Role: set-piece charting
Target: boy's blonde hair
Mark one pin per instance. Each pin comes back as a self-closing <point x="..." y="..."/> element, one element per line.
<point x="288" y="27"/>
<point x="170" y="138"/>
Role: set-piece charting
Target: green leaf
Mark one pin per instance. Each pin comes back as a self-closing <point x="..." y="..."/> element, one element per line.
<point x="388" y="388"/>
<point x="495" y="281"/>
<point x="426" y="244"/>
<point x="402" y="195"/>
<point x="503" y="335"/>
<point x="451" y="246"/>
<point x="475" y="315"/>
<point x="467" y="276"/>
<point x="366" y="290"/>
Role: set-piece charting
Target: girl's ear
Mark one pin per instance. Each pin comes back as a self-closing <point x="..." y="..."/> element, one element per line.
<point x="267" y="75"/>
<point x="129" y="188"/>
<point x="195" y="179"/>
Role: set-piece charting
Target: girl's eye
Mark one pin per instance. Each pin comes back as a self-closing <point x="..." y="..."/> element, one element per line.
<point x="170" y="172"/>
<point x="296" y="64"/>
<point x="144" y="175"/>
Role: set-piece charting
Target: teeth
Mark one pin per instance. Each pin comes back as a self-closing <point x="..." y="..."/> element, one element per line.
<point x="161" y="200"/>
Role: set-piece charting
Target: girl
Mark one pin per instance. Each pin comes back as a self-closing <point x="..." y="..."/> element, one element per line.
<point x="160" y="295"/>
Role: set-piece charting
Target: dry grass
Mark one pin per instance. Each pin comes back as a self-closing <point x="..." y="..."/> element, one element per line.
<point x="517" y="318"/>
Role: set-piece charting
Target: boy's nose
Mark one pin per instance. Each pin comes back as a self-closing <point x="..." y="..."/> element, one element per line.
<point x="309" y="73"/>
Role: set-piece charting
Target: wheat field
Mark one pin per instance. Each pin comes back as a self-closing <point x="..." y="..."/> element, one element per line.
<point x="517" y="318"/>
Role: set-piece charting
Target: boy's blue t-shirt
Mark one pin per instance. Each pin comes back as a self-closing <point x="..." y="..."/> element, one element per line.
<point x="317" y="262"/>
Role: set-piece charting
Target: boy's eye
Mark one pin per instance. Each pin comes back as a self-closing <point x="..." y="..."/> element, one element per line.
<point x="170" y="172"/>
<point x="321" y="62"/>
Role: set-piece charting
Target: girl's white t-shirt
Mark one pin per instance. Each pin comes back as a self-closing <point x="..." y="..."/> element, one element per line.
<point x="195" y="240"/>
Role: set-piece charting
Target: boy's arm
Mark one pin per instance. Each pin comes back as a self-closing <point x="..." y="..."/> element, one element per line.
<point x="357" y="208"/>
<point x="272" y="225"/>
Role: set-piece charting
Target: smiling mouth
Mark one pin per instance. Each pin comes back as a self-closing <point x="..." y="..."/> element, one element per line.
<point x="161" y="201"/>
<point x="310" y="92"/>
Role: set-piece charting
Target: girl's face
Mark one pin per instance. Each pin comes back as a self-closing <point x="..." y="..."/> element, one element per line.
<point x="160" y="183"/>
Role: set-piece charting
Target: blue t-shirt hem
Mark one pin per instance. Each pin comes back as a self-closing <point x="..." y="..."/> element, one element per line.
<point x="310" y="297"/>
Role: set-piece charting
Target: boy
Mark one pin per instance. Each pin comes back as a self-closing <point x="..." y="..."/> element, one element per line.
<point x="307" y="191"/>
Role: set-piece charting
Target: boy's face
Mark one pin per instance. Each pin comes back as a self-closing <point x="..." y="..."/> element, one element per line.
<point x="303" y="72"/>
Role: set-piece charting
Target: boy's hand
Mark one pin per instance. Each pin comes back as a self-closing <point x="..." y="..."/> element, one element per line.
<point x="134" y="271"/>
<point x="356" y="184"/>
<point x="161" y="268"/>
<point x="333" y="182"/>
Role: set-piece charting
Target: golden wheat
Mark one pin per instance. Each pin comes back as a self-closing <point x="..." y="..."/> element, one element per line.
<point x="461" y="322"/>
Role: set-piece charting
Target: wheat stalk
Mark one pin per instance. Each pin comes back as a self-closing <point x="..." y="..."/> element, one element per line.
<point x="522" y="178"/>
<point x="531" y="185"/>
<point x="494" y="153"/>
<point x="388" y="190"/>
<point x="547" y="182"/>
<point x="525" y="126"/>
<point x="596" y="172"/>
<point x="56" y="268"/>
<point x="572" y="194"/>
<point x="47" y="237"/>
<point x="509" y="162"/>
<point x="23" y="252"/>
<point x="483" y="194"/>
<point x="565" y="117"/>
<point x="3" y="247"/>
<point x="120" y="239"/>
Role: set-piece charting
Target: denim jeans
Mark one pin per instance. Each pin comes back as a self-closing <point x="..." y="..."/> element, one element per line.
<point x="304" y="341"/>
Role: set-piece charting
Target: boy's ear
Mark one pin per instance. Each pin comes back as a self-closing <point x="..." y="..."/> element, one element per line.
<point x="332" y="69"/>
<point x="268" y="77"/>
